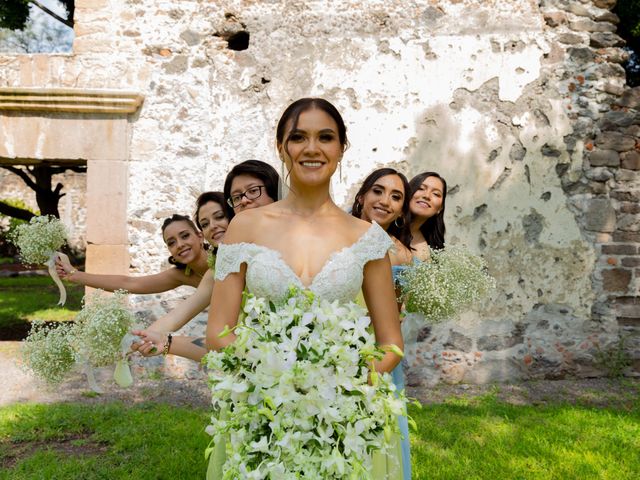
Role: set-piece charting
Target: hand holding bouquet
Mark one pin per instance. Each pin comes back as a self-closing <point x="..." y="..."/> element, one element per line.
<point x="444" y="287"/>
<point x="38" y="242"/>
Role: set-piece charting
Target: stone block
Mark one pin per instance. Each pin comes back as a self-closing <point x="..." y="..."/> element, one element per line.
<point x="600" y="216"/>
<point x="613" y="55"/>
<point x="578" y="9"/>
<point x="626" y="195"/>
<point x="619" y="236"/>
<point x="628" y="222"/>
<point x="581" y="55"/>
<point x="570" y="38"/>
<point x="59" y="136"/>
<point x="617" y="141"/>
<point x="107" y="259"/>
<point x="107" y="193"/>
<point x="607" y="4"/>
<point x="608" y="17"/>
<point x="630" y="160"/>
<point x="458" y="341"/>
<point x="629" y="207"/>
<point x="554" y="19"/>
<point x="616" y="279"/>
<point x="616" y="118"/>
<point x="586" y="25"/>
<point x="619" y="249"/>
<point x="605" y="39"/>
<point x="628" y="307"/>
<point x="631" y="262"/>
<point x="630" y="98"/>
<point x="91" y="4"/>
<point x="604" y="158"/>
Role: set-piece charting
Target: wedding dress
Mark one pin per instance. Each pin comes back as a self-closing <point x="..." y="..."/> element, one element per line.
<point x="269" y="276"/>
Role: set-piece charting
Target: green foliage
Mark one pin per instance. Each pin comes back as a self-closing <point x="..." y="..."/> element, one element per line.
<point x="14" y="14"/>
<point x="474" y="439"/>
<point x="614" y="359"/>
<point x="629" y="13"/>
<point x="479" y="439"/>
<point x="112" y="441"/>
<point x="20" y="304"/>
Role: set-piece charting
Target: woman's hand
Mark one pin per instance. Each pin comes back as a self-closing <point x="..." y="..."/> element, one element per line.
<point x="151" y="343"/>
<point x="63" y="266"/>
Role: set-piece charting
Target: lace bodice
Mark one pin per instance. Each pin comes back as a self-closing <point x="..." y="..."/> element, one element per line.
<point x="269" y="276"/>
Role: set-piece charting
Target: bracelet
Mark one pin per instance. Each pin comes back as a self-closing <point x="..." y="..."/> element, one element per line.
<point x="73" y="271"/>
<point x="167" y="345"/>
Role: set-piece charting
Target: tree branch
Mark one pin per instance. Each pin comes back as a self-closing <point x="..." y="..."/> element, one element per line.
<point x="23" y="175"/>
<point x="68" y="23"/>
<point x="15" y="212"/>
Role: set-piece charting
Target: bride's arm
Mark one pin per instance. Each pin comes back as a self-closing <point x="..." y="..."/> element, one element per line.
<point x="226" y="299"/>
<point x="379" y="296"/>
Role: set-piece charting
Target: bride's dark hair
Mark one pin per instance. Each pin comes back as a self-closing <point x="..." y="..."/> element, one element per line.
<point x="178" y="218"/>
<point x="433" y="229"/>
<point x="292" y="114"/>
<point x="402" y="232"/>
<point x="253" y="168"/>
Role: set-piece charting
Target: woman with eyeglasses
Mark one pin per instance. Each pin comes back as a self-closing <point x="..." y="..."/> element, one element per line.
<point x="248" y="185"/>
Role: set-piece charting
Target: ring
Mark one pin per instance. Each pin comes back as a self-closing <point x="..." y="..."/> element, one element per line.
<point x="153" y="349"/>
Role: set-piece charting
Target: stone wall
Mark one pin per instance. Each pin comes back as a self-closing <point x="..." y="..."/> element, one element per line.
<point x="520" y="105"/>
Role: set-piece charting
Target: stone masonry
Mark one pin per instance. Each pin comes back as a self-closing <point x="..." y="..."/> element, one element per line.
<point x="521" y="105"/>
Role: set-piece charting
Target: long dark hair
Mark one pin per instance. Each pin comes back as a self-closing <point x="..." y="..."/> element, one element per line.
<point x="433" y="229"/>
<point x="292" y="114"/>
<point x="402" y="232"/>
<point x="254" y="168"/>
<point x="206" y="197"/>
<point x="178" y="218"/>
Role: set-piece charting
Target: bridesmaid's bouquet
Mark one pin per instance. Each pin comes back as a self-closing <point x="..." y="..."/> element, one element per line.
<point x="452" y="281"/>
<point x="38" y="242"/>
<point x="292" y="394"/>
<point x="95" y="339"/>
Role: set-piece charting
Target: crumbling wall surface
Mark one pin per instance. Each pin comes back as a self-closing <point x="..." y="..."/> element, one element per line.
<point x="520" y="105"/>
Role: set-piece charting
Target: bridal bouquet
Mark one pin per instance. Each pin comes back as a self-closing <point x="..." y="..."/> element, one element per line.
<point x="446" y="285"/>
<point x="294" y="394"/>
<point x="38" y="241"/>
<point x="95" y="340"/>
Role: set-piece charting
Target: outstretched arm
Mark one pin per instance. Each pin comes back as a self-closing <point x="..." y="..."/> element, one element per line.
<point x="186" y="309"/>
<point x="160" y="282"/>
<point x="379" y="296"/>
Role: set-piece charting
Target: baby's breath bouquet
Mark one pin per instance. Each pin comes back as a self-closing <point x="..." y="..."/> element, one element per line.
<point x="38" y="242"/>
<point x="446" y="285"/>
<point x="95" y="339"/>
<point x="100" y="326"/>
<point x="291" y="393"/>
<point x="47" y="351"/>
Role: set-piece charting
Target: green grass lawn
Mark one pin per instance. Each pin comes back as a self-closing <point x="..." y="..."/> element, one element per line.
<point x="460" y="439"/>
<point x="25" y="299"/>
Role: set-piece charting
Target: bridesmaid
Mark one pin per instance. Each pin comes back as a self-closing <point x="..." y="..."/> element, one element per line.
<point x="188" y="257"/>
<point x="428" y="194"/>
<point x="249" y="184"/>
<point x="384" y="198"/>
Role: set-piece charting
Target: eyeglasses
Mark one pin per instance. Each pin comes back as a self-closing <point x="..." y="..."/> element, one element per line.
<point x="250" y="194"/>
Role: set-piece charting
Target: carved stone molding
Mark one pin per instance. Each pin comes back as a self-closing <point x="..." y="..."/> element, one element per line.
<point x="70" y="100"/>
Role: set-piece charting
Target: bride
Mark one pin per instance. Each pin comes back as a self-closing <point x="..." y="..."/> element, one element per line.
<point x="306" y="240"/>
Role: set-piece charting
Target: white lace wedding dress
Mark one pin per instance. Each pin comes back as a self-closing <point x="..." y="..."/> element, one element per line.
<point x="269" y="276"/>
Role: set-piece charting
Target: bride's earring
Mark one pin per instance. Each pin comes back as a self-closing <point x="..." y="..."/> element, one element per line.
<point x="282" y="171"/>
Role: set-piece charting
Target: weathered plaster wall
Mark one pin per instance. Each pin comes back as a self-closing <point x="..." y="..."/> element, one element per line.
<point x="505" y="99"/>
